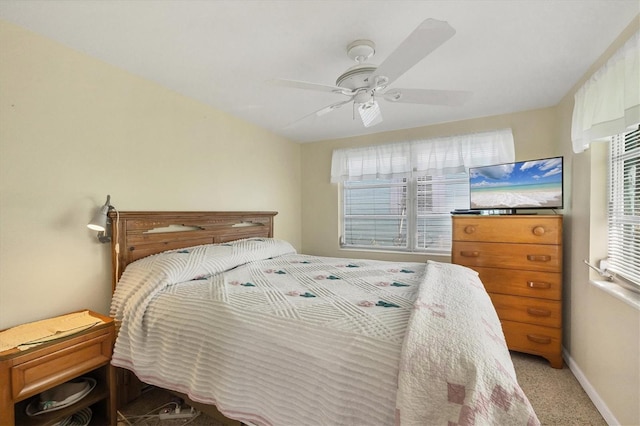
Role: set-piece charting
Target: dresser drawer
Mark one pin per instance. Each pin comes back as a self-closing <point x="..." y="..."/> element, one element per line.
<point x="531" y="338"/>
<point x="31" y="377"/>
<point x="543" y="285"/>
<point x="508" y="229"/>
<point x="527" y="309"/>
<point x="531" y="257"/>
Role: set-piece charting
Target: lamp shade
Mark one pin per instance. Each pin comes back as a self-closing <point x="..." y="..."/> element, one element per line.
<point x="99" y="221"/>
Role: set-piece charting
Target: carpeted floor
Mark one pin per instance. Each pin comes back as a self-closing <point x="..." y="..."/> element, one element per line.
<point x="555" y="394"/>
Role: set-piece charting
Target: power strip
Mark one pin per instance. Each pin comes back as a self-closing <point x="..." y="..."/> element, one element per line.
<point x="173" y="414"/>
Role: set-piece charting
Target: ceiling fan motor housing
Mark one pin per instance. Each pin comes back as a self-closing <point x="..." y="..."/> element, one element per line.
<point x="357" y="77"/>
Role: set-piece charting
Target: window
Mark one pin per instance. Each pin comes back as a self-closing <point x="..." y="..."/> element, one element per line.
<point x="400" y="196"/>
<point x="410" y="214"/>
<point x="624" y="206"/>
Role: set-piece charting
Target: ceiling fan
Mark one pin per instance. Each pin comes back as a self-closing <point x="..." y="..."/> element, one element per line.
<point x="364" y="82"/>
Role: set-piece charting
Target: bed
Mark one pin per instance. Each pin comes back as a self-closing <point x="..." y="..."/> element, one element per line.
<point x="211" y="306"/>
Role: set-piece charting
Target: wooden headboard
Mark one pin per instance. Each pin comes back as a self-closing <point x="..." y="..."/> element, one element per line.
<point x="139" y="234"/>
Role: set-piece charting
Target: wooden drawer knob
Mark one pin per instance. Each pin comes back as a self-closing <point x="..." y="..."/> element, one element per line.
<point x="469" y="229"/>
<point x="539" y="312"/>
<point x="539" y="339"/>
<point x="538" y="258"/>
<point x="541" y="285"/>
<point x="469" y="253"/>
<point x="539" y="231"/>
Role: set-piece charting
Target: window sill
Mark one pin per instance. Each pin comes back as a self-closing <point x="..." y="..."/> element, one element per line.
<point x="629" y="297"/>
<point x="390" y="251"/>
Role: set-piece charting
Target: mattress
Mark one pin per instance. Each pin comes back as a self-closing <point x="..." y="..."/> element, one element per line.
<point x="273" y="337"/>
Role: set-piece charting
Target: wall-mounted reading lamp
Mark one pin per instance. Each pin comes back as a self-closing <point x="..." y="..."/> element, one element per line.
<point x="101" y="222"/>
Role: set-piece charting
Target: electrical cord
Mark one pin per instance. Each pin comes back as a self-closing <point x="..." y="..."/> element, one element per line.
<point x="122" y="417"/>
<point x="192" y="419"/>
<point x="138" y="419"/>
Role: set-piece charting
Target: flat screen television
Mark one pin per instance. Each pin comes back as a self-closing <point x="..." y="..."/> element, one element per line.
<point x="534" y="184"/>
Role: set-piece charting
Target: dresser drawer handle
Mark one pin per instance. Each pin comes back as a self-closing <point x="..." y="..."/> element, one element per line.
<point x="541" y="285"/>
<point x="538" y="258"/>
<point x="538" y="312"/>
<point x="539" y="231"/>
<point x="470" y="253"/>
<point x="469" y="229"/>
<point x="539" y="339"/>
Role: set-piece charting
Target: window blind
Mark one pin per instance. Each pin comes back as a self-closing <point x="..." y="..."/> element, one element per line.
<point x="400" y="196"/>
<point x="624" y="206"/>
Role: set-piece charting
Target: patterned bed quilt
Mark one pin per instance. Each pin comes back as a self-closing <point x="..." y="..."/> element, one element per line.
<point x="273" y="337"/>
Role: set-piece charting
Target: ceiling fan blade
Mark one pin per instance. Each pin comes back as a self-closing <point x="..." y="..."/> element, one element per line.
<point x="309" y="86"/>
<point x="370" y="113"/>
<point x="331" y="107"/>
<point x="428" y="96"/>
<point x="429" y="35"/>
<point x="320" y="112"/>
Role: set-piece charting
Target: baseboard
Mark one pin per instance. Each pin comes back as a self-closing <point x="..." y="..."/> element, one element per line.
<point x="590" y="390"/>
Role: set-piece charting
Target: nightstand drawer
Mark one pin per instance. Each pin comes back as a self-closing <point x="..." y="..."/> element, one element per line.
<point x="528" y="310"/>
<point x="34" y="376"/>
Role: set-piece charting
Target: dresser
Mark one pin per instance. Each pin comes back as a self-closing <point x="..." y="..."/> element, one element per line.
<point x="519" y="259"/>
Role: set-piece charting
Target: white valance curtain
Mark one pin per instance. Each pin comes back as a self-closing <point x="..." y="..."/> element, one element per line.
<point x="609" y="102"/>
<point x="433" y="157"/>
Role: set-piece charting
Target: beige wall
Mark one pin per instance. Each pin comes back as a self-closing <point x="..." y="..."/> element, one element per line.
<point x="602" y="333"/>
<point x="73" y="129"/>
<point x="534" y="134"/>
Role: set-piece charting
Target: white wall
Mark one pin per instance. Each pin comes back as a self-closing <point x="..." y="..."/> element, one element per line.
<point x="74" y="129"/>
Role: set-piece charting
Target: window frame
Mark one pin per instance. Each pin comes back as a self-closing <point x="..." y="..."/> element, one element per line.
<point x="620" y="256"/>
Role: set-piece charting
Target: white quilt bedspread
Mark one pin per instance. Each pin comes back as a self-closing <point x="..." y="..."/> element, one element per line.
<point x="272" y="337"/>
<point x="455" y="358"/>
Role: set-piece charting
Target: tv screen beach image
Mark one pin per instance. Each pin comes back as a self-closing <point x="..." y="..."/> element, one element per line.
<point x="526" y="184"/>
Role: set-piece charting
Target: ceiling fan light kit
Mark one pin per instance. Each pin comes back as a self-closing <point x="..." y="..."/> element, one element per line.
<point x="364" y="82"/>
<point x="370" y="113"/>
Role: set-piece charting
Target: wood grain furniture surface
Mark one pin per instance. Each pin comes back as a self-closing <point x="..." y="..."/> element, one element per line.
<point x="519" y="259"/>
<point x="140" y="234"/>
<point x="137" y="234"/>
<point x="25" y="374"/>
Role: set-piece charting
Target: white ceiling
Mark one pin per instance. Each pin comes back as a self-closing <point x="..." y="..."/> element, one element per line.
<point x="513" y="55"/>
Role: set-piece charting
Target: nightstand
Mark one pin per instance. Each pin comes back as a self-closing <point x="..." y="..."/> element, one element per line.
<point x="25" y="374"/>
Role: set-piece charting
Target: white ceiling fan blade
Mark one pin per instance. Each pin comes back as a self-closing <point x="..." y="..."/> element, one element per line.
<point x="295" y="84"/>
<point x="429" y="35"/>
<point x="320" y="112"/>
<point x="370" y="113"/>
<point x="331" y="107"/>
<point x="428" y="96"/>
